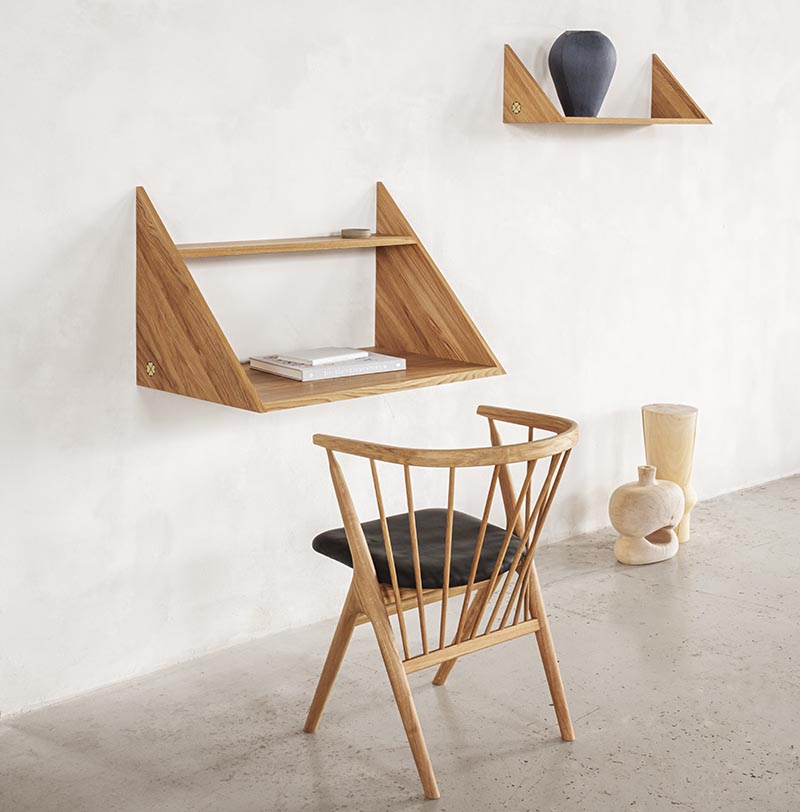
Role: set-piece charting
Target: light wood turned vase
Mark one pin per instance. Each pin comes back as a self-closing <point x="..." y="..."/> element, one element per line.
<point x="669" y="432"/>
<point x="644" y="513"/>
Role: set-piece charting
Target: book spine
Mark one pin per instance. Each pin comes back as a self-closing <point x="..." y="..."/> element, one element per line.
<point x="321" y="373"/>
<point x="318" y="362"/>
<point x="284" y="372"/>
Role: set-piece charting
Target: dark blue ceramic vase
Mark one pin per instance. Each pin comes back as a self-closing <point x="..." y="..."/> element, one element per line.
<point x="582" y="64"/>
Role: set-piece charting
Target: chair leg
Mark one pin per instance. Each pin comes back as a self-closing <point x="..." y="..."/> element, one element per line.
<point x="341" y="639"/>
<point x="376" y="612"/>
<point x="443" y="672"/>
<point x="549" y="660"/>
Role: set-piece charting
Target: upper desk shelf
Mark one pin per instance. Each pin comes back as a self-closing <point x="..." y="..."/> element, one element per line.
<point x="181" y="348"/>
<point x="524" y="101"/>
<point x="201" y="250"/>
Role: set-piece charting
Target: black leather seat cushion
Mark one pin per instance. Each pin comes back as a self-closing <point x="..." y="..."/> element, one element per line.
<point x="431" y="529"/>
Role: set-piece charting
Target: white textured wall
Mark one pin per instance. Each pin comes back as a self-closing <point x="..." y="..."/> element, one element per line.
<point x="607" y="267"/>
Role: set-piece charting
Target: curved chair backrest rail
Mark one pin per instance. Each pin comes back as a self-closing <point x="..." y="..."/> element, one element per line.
<point x="565" y="437"/>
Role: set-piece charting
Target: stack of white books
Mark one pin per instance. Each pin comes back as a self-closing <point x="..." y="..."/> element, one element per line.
<point x="326" y="362"/>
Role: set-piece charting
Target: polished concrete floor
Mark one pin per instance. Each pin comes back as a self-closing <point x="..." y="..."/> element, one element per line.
<point x="683" y="680"/>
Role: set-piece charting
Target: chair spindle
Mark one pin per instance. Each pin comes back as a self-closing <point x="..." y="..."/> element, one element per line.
<point x="448" y="552"/>
<point x="412" y="527"/>
<point x="389" y="556"/>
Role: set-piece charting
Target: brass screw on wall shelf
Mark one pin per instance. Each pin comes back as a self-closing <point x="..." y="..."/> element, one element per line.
<point x="516" y="107"/>
<point x="150" y="369"/>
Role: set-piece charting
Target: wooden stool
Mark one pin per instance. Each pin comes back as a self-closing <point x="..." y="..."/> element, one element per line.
<point x="669" y="432"/>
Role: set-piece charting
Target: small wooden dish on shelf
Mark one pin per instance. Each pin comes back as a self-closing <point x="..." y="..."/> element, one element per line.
<point x="524" y="101"/>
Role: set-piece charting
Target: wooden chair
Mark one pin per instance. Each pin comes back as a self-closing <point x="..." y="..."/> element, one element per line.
<point x="405" y="562"/>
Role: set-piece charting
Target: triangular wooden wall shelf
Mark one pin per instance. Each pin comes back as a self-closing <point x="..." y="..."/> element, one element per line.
<point x="524" y="101"/>
<point x="180" y="347"/>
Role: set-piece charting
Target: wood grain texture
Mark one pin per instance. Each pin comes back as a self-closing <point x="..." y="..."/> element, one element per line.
<point x="669" y="437"/>
<point x="395" y="598"/>
<point x="506" y="484"/>
<point x="547" y="652"/>
<point x="670" y="103"/>
<point x="175" y="329"/>
<point x="644" y="514"/>
<point x="632" y="122"/>
<point x="524" y="101"/>
<point x="402" y="695"/>
<point x="283" y="393"/>
<point x="378" y="601"/>
<point x="448" y="552"/>
<point x="669" y="100"/>
<point x="336" y="652"/>
<point x="416" y="310"/>
<point x="179" y="339"/>
<point x="565" y="439"/>
<point x="368" y="593"/>
<point x="466" y="629"/>
<point x="202" y="250"/>
<point x="412" y="529"/>
<point x="408" y="598"/>
<point x="457" y="650"/>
